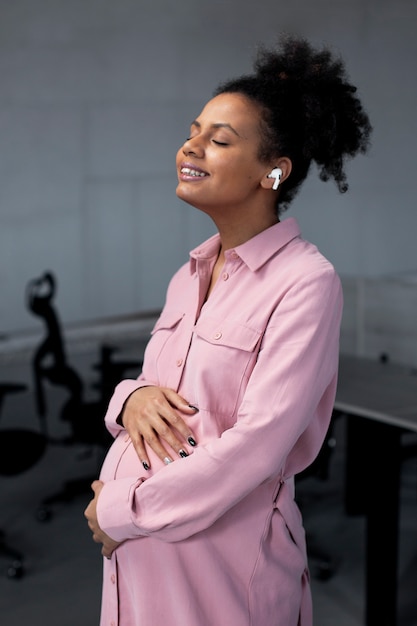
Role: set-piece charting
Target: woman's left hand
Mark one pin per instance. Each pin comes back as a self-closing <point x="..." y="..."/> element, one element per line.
<point x="99" y="536"/>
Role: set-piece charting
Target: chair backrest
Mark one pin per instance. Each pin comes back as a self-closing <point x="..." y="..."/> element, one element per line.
<point x="49" y="360"/>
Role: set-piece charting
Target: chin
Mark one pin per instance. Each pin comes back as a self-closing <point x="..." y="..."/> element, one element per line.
<point x="182" y="193"/>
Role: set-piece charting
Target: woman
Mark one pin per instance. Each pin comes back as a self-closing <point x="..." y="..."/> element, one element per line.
<point x="242" y="361"/>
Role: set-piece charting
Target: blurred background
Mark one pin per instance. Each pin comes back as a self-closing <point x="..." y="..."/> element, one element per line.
<point x="96" y="96"/>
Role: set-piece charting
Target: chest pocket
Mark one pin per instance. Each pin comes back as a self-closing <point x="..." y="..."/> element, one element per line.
<point x="164" y="344"/>
<point x="226" y="351"/>
<point x="227" y="333"/>
<point x="167" y="321"/>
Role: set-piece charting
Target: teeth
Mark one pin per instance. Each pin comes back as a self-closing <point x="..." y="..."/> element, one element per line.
<point x="190" y="172"/>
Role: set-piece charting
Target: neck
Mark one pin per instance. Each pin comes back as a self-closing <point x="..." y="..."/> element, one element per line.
<point x="235" y="234"/>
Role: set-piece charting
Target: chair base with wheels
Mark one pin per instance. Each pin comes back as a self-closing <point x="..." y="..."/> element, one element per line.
<point x="15" y="567"/>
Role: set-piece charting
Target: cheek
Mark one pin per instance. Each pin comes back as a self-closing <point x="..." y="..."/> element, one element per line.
<point x="241" y="180"/>
<point x="244" y="170"/>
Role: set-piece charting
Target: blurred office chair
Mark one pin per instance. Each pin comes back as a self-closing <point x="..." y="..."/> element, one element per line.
<point x="51" y="367"/>
<point x="87" y="423"/>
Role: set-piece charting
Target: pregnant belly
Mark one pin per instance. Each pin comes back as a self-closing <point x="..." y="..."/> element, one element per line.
<point x="122" y="461"/>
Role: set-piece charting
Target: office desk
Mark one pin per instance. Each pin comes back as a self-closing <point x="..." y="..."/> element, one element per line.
<point x="380" y="402"/>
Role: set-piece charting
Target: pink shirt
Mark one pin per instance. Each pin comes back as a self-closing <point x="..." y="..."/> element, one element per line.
<point x="216" y="539"/>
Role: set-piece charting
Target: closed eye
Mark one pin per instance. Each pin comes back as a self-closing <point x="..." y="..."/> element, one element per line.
<point x="220" y="143"/>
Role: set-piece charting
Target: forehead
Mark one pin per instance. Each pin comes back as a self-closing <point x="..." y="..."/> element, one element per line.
<point x="234" y="109"/>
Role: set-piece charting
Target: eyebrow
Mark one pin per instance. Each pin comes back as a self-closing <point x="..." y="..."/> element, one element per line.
<point x="218" y="125"/>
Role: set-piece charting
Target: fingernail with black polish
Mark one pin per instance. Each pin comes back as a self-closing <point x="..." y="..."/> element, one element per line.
<point x="182" y="453"/>
<point x="192" y="441"/>
<point x="145" y="465"/>
<point x="193" y="407"/>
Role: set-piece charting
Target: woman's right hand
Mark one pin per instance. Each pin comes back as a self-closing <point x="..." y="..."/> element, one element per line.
<point x="152" y="414"/>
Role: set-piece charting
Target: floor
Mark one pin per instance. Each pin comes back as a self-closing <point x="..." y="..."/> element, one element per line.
<point x="60" y="585"/>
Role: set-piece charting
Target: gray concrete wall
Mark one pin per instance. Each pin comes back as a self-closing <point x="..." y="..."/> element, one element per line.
<point x="95" y="98"/>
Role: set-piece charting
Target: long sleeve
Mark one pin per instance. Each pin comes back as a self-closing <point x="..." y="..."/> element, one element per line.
<point x="280" y="424"/>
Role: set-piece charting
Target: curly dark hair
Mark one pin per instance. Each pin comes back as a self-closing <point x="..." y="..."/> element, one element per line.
<point x="309" y="111"/>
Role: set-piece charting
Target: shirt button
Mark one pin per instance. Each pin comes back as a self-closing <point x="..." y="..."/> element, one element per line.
<point x="179" y="362"/>
<point x="113" y="578"/>
<point x="217" y="335"/>
<point x="225" y="276"/>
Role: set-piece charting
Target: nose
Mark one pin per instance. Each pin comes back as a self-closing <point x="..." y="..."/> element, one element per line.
<point x="193" y="146"/>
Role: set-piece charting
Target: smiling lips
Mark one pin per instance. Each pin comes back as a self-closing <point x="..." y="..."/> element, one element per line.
<point x="188" y="172"/>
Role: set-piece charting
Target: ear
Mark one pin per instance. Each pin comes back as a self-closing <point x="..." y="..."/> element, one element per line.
<point x="272" y="175"/>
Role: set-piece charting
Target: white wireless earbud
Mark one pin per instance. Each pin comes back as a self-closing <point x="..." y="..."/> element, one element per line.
<point x="276" y="173"/>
